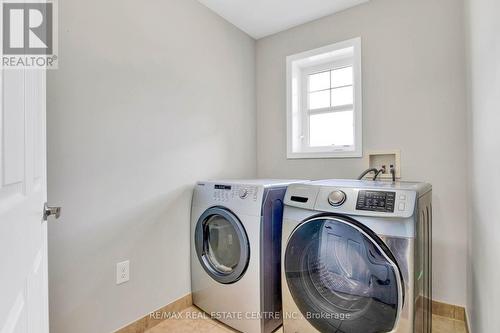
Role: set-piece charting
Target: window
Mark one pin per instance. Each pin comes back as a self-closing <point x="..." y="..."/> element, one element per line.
<point x="324" y="102"/>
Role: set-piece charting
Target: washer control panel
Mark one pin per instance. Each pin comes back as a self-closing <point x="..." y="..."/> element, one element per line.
<point x="376" y="201"/>
<point x="356" y="201"/>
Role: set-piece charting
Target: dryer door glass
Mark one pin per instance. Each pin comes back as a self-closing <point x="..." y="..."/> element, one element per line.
<point x="222" y="245"/>
<point x="342" y="278"/>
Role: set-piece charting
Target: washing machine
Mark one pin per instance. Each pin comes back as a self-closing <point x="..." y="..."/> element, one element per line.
<point x="356" y="257"/>
<point x="236" y="252"/>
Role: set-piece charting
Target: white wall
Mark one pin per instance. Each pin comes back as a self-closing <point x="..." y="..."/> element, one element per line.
<point x="413" y="98"/>
<point x="149" y="98"/>
<point x="483" y="301"/>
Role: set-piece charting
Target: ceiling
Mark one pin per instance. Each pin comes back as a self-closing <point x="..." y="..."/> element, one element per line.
<point x="261" y="18"/>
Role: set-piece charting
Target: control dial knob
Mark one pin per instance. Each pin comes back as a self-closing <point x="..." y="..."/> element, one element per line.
<point x="243" y="193"/>
<point x="337" y="198"/>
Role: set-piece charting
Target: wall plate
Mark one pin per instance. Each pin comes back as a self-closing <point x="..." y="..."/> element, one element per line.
<point x="377" y="159"/>
<point x="122" y="272"/>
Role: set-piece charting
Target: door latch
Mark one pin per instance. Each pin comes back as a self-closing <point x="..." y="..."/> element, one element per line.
<point x="51" y="211"/>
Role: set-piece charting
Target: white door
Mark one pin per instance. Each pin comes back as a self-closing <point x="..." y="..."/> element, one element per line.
<point x="23" y="191"/>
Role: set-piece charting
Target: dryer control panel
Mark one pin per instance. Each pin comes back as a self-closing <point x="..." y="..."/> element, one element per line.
<point x="225" y="193"/>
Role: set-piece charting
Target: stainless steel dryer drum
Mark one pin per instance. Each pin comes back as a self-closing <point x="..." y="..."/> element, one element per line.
<point x="356" y="257"/>
<point x="236" y="252"/>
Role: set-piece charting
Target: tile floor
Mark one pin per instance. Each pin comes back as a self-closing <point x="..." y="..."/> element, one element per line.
<point x="192" y="320"/>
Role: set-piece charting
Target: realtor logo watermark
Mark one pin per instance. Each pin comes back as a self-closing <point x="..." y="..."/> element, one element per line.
<point x="29" y="34"/>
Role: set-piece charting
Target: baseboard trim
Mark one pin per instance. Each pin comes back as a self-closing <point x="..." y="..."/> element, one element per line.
<point x="467" y="322"/>
<point x="454" y="312"/>
<point x="448" y="310"/>
<point x="156" y="317"/>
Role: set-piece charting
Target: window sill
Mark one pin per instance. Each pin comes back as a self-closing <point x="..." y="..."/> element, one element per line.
<point x="323" y="155"/>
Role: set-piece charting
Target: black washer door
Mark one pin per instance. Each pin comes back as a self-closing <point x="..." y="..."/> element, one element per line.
<point x="342" y="278"/>
<point x="222" y="245"/>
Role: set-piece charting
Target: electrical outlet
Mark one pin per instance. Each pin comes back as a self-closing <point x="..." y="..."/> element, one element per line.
<point x="122" y="272"/>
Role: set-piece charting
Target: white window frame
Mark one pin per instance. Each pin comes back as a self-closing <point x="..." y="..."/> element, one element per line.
<point x="299" y="66"/>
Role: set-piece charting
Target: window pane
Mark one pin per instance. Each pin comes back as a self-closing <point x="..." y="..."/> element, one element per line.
<point x="320" y="99"/>
<point x="342" y="96"/>
<point x="342" y="77"/>
<point x="319" y="81"/>
<point x="335" y="128"/>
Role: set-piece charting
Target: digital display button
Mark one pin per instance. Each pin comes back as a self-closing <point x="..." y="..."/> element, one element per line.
<point x="222" y="187"/>
<point x="376" y="201"/>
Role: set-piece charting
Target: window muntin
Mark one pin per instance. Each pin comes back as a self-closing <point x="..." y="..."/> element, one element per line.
<point x="332" y="88"/>
<point x="330" y="111"/>
<point x="324" y="102"/>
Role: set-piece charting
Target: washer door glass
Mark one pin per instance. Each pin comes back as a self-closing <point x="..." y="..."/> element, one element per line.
<point x="342" y="277"/>
<point x="222" y="245"/>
